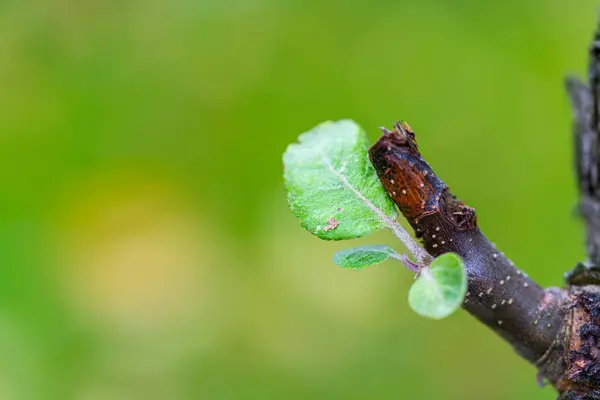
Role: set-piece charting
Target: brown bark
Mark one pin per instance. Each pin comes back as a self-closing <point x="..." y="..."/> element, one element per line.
<point x="499" y="295"/>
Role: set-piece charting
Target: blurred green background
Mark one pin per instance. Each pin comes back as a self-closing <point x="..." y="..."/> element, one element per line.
<point x="146" y="247"/>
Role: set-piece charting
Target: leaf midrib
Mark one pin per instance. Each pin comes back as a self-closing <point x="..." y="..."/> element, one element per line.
<point x="351" y="187"/>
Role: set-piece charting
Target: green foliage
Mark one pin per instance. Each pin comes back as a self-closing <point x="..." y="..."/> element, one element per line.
<point x="332" y="188"/>
<point x="363" y="256"/>
<point x="440" y="288"/>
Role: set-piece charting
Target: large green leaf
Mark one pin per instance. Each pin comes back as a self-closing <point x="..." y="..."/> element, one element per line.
<point x="331" y="185"/>
<point x="440" y="288"/>
<point x="363" y="256"/>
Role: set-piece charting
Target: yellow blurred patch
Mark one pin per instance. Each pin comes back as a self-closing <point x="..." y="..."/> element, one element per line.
<point x="137" y="255"/>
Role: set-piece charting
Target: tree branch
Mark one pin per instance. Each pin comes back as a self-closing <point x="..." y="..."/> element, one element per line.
<point x="499" y="295"/>
<point x="585" y="104"/>
<point x="581" y="377"/>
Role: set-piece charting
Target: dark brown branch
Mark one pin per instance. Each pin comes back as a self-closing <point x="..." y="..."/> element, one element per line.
<point x="585" y="104"/>
<point x="586" y="162"/>
<point x="581" y="377"/>
<point x="499" y="295"/>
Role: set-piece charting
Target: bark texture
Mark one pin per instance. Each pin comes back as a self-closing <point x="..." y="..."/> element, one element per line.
<point x="499" y="295"/>
<point x="581" y="331"/>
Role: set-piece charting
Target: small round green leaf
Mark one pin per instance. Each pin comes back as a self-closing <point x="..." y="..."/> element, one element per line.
<point x="332" y="188"/>
<point x="363" y="256"/>
<point x="440" y="288"/>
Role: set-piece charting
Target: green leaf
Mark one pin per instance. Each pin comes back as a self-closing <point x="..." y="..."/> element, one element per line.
<point x="440" y="288"/>
<point x="332" y="188"/>
<point x="363" y="256"/>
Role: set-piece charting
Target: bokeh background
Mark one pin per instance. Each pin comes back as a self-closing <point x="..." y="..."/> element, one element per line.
<point x="146" y="247"/>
